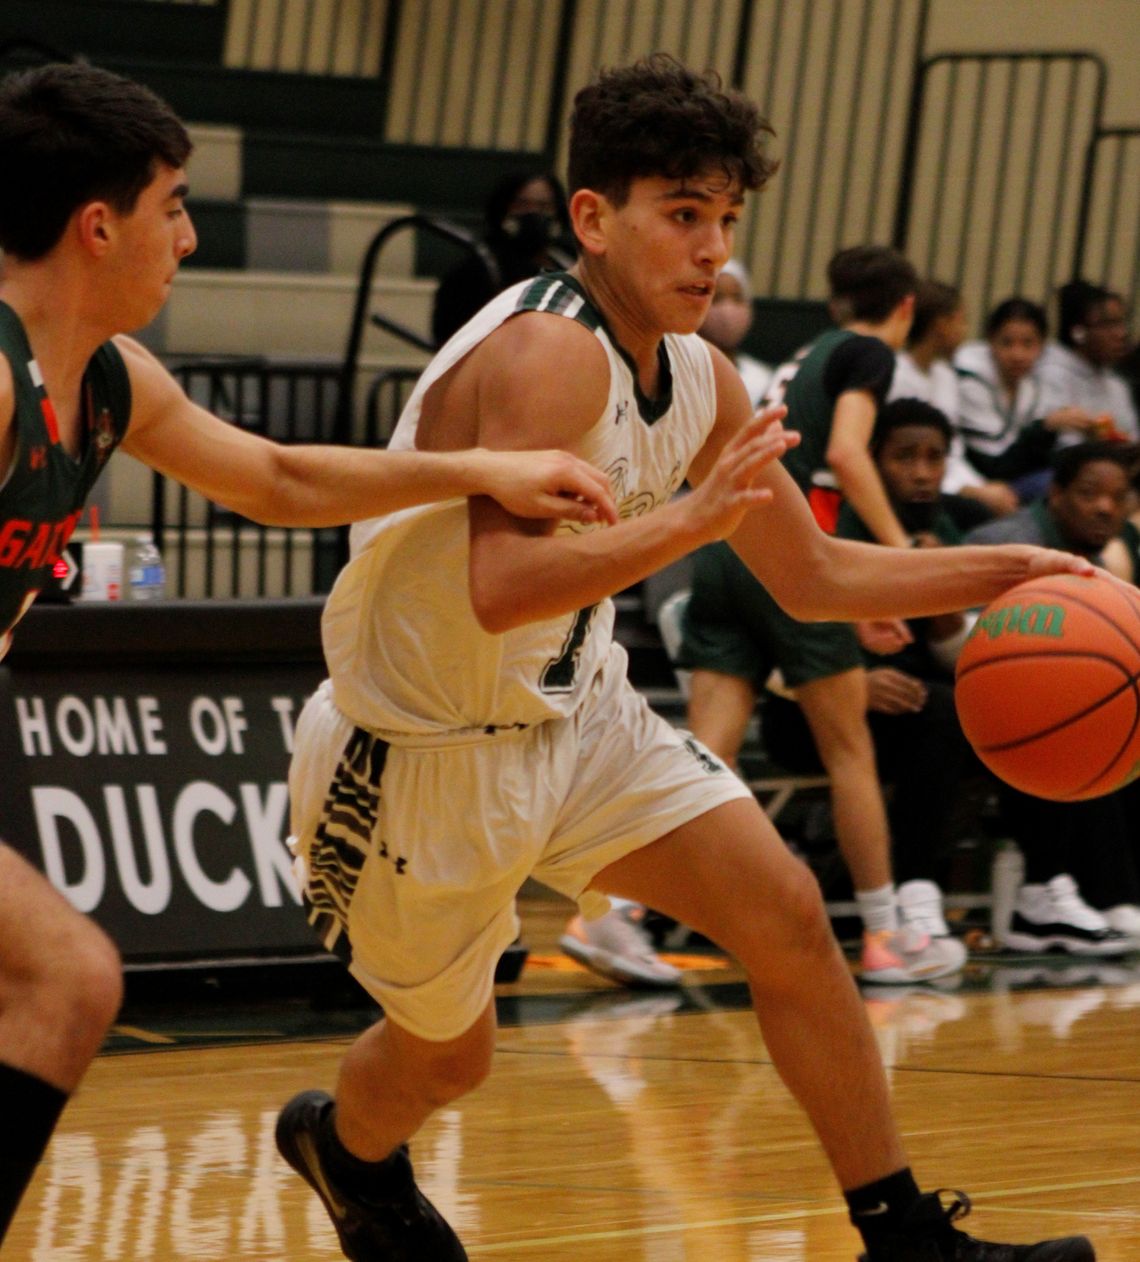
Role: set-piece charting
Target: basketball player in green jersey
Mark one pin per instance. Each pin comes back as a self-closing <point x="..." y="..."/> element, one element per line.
<point x="93" y="227"/>
<point x="478" y="725"/>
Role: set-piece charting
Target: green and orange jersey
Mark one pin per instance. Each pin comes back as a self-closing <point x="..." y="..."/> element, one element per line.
<point x="43" y="492"/>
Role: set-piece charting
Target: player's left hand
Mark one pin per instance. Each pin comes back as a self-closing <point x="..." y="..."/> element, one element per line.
<point x="548" y="484"/>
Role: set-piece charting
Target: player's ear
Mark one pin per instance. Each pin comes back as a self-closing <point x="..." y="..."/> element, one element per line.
<point x="92" y="223"/>
<point x="589" y="213"/>
<point x="1078" y="334"/>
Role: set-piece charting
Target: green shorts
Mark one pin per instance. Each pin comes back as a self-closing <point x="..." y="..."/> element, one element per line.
<point x="734" y="627"/>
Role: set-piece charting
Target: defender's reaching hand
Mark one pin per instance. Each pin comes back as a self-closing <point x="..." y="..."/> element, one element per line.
<point x="547" y="484"/>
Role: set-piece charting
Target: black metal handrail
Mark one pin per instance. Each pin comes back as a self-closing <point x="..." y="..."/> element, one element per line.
<point x="434" y="225"/>
<point x="290" y="401"/>
<point x="1076" y="149"/>
<point x="395" y="383"/>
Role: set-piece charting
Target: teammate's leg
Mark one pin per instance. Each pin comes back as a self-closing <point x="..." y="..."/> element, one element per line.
<point x="728" y="874"/>
<point x="60" y="989"/>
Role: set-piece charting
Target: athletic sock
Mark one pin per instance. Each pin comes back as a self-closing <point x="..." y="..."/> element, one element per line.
<point x="352" y="1174"/>
<point x="30" y="1108"/>
<point x="879" y="908"/>
<point x="877" y="1209"/>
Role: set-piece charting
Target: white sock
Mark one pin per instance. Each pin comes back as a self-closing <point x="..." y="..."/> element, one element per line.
<point x="879" y="908"/>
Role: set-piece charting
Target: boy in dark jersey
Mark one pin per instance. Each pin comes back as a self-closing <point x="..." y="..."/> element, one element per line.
<point x="735" y="633"/>
<point x="93" y="228"/>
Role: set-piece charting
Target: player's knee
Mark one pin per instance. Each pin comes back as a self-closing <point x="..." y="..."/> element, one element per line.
<point x="800" y="922"/>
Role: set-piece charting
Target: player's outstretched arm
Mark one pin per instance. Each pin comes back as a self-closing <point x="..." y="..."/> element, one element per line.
<point x="817" y="577"/>
<point x="312" y="485"/>
<point x="520" y="574"/>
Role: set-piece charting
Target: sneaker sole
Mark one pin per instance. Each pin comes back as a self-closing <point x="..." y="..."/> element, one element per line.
<point x="602" y="962"/>
<point x="1059" y="942"/>
<point x="903" y="976"/>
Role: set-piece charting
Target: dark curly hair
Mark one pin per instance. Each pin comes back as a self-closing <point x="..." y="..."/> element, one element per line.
<point x="900" y="412"/>
<point x="658" y="118"/>
<point x="71" y="133"/>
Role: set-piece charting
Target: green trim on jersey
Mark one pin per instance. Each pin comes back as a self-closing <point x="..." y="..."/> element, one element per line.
<point x="554" y="292"/>
<point x="562" y="294"/>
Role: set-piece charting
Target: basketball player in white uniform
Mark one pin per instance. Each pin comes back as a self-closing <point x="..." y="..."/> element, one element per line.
<point x="478" y="727"/>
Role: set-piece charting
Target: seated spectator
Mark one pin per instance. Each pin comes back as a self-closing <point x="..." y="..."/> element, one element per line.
<point x="1004" y="414"/>
<point x="1079" y="369"/>
<point x="526" y="228"/>
<point x="923" y="371"/>
<point x="1082" y="859"/>
<point x="1122" y="554"/>
<point x="727" y="325"/>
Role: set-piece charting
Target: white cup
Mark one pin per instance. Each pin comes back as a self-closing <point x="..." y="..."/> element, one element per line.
<point x="102" y="572"/>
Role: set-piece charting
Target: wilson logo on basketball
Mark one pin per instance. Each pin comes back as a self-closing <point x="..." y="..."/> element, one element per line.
<point x="1021" y="620"/>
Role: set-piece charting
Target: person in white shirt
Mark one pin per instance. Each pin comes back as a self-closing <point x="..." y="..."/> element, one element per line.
<point x="924" y="371"/>
<point x="1078" y="370"/>
<point x="727" y="324"/>
<point x="1008" y="419"/>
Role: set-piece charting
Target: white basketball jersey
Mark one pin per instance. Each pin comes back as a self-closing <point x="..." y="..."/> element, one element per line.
<point x="406" y="655"/>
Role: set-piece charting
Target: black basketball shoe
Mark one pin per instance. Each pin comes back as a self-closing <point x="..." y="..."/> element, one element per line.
<point x="926" y="1235"/>
<point x="394" y="1222"/>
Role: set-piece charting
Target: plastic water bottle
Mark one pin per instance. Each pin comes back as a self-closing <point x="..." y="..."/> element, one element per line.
<point x="1006" y="877"/>
<point x="147" y="572"/>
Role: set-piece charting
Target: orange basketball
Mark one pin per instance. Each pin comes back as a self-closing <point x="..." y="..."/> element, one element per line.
<point x="1048" y="686"/>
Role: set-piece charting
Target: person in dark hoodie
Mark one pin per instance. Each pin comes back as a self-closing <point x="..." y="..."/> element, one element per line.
<point x="526" y="229"/>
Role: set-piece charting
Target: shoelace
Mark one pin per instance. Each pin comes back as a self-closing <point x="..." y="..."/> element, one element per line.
<point x="958" y="1208"/>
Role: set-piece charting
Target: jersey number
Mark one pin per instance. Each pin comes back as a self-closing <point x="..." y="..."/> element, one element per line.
<point x="558" y="674"/>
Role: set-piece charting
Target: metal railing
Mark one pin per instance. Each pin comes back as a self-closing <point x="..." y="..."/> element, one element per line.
<point x="385" y="400"/>
<point x="361" y="317"/>
<point x="996" y="171"/>
<point x="210" y="551"/>
<point x="1108" y="235"/>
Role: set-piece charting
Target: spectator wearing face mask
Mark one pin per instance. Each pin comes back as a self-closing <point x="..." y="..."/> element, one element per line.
<point x="727" y="325"/>
<point x="526" y="229"/>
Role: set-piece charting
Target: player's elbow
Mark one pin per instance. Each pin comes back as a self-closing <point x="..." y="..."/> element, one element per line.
<point x="843" y="461"/>
<point x="496" y="608"/>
